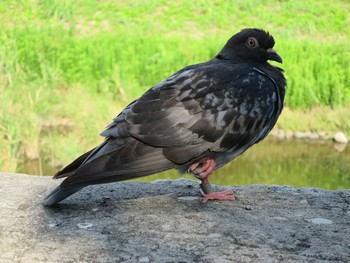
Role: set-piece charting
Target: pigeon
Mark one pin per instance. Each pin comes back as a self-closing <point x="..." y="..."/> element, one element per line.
<point x="197" y="120"/>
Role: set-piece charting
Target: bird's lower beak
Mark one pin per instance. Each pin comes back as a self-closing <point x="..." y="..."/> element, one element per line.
<point x="273" y="55"/>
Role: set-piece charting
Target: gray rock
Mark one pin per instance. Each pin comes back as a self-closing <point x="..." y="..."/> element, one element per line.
<point x="278" y="133"/>
<point x="324" y="135"/>
<point x="304" y="202"/>
<point x="299" y="135"/>
<point x="321" y="221"/>
<point x="144" y="259"/>
<point x="340" y="137"/>
<point x="166" y="222"/>
<point x="313" y="136"/>
<point x="84" y="225"/>
<point x="289" y="135"/>
<point x="306" y="135"/>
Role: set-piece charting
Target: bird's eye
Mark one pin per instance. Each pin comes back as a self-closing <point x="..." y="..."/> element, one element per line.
<point x="252" y="42"/>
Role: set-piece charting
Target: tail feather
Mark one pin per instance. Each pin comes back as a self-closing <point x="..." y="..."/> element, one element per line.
<point x="59" y="194"/>
<point x="103" y="165"/>
<point x="70" y="169"/>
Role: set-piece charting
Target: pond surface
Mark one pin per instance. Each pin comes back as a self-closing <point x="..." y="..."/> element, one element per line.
<point x="294" y="163"/>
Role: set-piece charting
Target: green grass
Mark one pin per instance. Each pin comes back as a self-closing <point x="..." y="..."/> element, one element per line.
<point x="85" y="60"/>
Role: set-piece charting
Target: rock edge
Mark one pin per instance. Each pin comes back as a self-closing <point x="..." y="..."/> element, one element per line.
<point x="164" y="221"/>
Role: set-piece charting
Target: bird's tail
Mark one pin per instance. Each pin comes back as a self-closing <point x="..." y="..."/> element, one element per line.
<point x="59" y="194"/>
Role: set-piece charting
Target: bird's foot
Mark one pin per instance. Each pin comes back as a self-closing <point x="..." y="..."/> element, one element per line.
<point x="227" y="195"/>
<point x="202" y="169"/>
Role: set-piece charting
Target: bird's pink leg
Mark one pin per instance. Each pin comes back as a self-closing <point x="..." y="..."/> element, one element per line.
<point x="202" y="169"/>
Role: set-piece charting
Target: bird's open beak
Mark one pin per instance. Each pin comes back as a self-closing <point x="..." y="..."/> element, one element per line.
<point x="273" y="55"/>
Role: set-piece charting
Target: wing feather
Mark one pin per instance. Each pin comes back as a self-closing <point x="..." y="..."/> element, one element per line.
<point x="196" y="112"/>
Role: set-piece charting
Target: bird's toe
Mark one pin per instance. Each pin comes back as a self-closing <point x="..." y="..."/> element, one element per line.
<point x="227" y="195"/>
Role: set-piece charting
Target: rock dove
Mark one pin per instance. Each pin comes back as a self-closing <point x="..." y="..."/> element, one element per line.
<point x="196" y="121"/>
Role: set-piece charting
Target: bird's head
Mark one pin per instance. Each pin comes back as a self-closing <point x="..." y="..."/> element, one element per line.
<point x="255" y="45"/>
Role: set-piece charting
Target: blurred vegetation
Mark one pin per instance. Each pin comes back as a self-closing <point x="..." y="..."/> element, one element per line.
<point x="76" y="63"/>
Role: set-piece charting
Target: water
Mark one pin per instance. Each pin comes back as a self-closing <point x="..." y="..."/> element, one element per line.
<point x="294" y="163"/>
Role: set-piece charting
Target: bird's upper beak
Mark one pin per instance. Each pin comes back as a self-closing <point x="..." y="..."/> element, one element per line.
<point x="273" y="55"/>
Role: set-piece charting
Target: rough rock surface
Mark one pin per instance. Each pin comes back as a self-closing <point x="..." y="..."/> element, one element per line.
<point x="164" y="221"/>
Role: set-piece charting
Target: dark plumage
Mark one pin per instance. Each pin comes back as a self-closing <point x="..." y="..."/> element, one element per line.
<point x="209" y="111"/>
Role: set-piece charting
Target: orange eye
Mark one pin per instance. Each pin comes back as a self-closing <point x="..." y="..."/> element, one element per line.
<point x="252" y="42"/>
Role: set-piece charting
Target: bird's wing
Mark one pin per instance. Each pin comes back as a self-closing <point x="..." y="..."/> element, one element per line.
<point x="216" y="107"/>
<point x="118" y="158"/>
